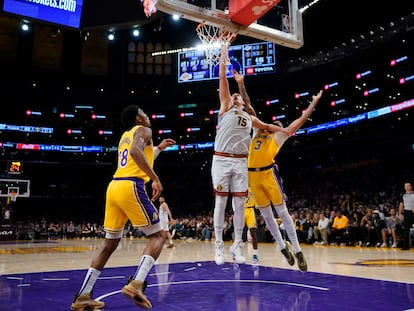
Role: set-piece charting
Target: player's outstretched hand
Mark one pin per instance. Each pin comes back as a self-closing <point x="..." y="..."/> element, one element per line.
<point x="165" y="143"/>
<point x="237" y="76"/>
<point x="317" y="97"/>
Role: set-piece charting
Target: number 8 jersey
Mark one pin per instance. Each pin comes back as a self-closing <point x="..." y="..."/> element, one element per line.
<point x="127" y="167"/>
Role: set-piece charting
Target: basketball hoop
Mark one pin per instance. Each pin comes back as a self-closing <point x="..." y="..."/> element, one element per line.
<point x="216" y="40"/>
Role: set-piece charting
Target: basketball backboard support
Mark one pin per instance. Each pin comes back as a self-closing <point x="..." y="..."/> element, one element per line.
<point x="19" y="186"/>
<point x="290" y="36"/>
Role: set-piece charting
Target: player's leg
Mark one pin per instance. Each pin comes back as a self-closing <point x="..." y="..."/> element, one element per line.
<point x="114" y="226"/>
<point x="250" y="220"/>
<point x="220" y="173"/>
<point x="287" y="221"/>
<point x="135" y="289"/>
<point x="239" y="190"/>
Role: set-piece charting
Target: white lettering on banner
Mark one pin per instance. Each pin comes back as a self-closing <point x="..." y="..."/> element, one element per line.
<point x="259" y="9"/>
<point x="64" y="5"/>
<point x="263" y="69"/>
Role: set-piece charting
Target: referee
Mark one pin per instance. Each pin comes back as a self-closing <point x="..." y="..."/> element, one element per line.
<point x="407" y="206"/>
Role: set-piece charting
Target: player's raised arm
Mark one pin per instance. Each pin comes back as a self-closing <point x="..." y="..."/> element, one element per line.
<point x="224" y="89"/>
<point x="297" y="124"/>
<point x="257" y="123"/>
<point x="242" y="90"/>
<point x="165" y="143"/>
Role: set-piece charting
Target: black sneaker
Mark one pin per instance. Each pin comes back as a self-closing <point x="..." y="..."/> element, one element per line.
<point x="288" y="254"/>
<point x="303" y="266"/>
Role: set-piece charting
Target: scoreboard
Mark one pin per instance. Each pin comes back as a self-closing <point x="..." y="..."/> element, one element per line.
<point x="248" y="59"/>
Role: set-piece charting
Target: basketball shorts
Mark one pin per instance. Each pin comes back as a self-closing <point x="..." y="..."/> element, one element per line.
<point x="229" y="175"/>
<point x="250" y="217"/>
<point x="266" y="187"/>
<point x="126" y="198"/>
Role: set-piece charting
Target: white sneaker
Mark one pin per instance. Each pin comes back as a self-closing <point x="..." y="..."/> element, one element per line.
<point x="236" y="252"/>
<point x="219" y="256"/>
<point x="384" y="245"/>
<point x="394" y="245"/>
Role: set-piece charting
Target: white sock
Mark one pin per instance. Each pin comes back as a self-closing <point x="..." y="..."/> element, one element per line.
<point x="144" y="268"/>
<point x="238" y="217"/>
<point x="89" y="281"/>
<point x="287" y="221"/>
<point x="273" y="226"/>
<point x="219" y="211"/>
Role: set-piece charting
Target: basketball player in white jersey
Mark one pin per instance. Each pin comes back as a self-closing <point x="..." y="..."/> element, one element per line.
<point x="229" y="165"/>
<point x="165" y="217"/>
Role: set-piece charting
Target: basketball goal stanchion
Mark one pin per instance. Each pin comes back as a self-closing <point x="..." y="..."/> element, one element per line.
<point x="216" y="40"/>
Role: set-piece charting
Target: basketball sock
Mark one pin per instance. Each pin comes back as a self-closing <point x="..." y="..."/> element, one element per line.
<point x="144" y="267"/>
<point x="89" y="281"/>
<point x="289" y="226"/>
<point x="238" y="217"/>
<point x="273" y="226"/>
<point x="219" y="210"/>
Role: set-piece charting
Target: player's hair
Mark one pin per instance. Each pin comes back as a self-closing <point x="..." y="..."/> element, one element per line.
<point x="128" y="116"/>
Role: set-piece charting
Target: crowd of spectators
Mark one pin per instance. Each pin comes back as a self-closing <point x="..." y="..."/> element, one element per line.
<point x="55" y="230"/>
<point x="342" y="207"/>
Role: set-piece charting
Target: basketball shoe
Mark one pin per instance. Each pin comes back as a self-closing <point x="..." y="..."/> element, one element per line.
<point x="236" y="252"/>
<point x="219" y="256"/>
<point x="303" y="266"/>
<point x="287" y="252"/>
<point x="135" y="290"/>
<point x="85" y="302"/>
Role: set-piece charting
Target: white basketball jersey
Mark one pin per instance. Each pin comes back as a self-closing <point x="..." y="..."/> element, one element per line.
<point x="233" y="132"/>
<point x="163" y="213"/>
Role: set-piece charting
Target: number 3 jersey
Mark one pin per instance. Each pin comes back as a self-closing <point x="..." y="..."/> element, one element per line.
<point x="127" y="167"/>
<point x="233" y="132"/>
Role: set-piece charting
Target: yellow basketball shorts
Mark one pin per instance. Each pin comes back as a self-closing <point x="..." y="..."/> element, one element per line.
<point x="266" y="187"/>
<point x="126" y="198"/>
<point x="250" y="217"/>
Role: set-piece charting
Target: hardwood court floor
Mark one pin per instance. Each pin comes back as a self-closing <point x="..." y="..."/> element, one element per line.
<point x="44" y="276"/>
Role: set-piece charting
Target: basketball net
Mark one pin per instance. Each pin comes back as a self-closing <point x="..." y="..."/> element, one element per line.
<point x="13" y="196"/>
<point x="216" y="41"/>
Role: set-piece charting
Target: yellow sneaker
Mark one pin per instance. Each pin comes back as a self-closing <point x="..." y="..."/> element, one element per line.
<point x="85" y="302"/>
<point x="135" y="290"/>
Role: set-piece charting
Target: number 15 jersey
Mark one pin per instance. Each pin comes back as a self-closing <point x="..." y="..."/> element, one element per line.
<point x="233" y="132"/>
